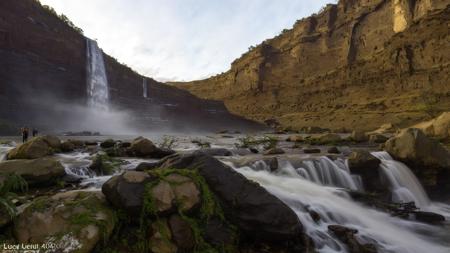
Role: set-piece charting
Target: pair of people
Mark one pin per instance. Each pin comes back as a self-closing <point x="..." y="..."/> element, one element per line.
<point x="25" y="132"/>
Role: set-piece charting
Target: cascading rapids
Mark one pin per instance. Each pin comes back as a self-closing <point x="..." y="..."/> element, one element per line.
<point x="316" y="185"/>
<point x="97" y="82"/>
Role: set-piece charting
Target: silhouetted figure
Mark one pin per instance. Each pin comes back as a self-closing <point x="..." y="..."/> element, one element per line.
<point x="35" y="132"/>
<point x="25" y="132"/>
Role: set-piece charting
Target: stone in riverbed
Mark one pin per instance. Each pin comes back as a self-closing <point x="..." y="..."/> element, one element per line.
<point x="311" y="150"/>
<point x="163" y="197"/>
<point x="36" y="148"/>
<point x="186" y="191"/>
<point x="427" y="158"/>
<point x="76" y="220"/>
<point x="255" y="211"/>
<point x="142" y="147"/>
<point x="359" y="136"/>
<point x="37" y="172"/>
<point x="429" y="217"/>
<point x="126" y="191"/>
<point x="377" y="138"/>
<point x="328" y="138"/>
<point x="334" y="150"/>
<point x="217" y="152"/>
<point x="67" y="146"/>
<point x="160" y="240"/>
<point x="274" y="151"/>
<point x="347" y="236"/>
<point x="109" y="143"/>
<point x="364" y="164"/>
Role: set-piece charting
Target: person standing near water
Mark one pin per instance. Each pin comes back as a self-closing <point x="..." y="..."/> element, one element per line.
<point x="35" y="132"/>
<point x="24" y="134"/>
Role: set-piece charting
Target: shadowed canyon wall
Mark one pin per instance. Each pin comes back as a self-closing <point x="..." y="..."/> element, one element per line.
<point x="355" y="65"/>
<point x="43" y="68"/>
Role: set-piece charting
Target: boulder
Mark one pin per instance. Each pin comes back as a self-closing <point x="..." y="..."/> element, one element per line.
<point x="438" y="127"/>
<point x="163" y="197"/>
<point x="429" y="217"/>
<point x="385" y="129"/>
<point x="274" y="151"/>
<point x="182" y="233"/>
<point x="427" y="158"/>
<point x="364" y="164"/>
<point x="32" y="149"/>
<point x="76" y="221"/>
<point x="217" y="152"/>
<point x="67" y="147"/>
<point x="314" y="130"/>
<point x="347" y="236"/>
<point x="377" y="138"/>
<point x="359" y="136"/>
<point x="37" y="172"/>
<point x="186" y="191"/>
<point x="126" y="191"/>
<point x="311" y="150"/>
<point x="255" y="211"/>
<point x="109" y="143"/>
<point x="102" y="164"/>
<point x="218" y="233"/>
<point x="53" y="141"/>
<point x="78" y="144"/>
<point x="334" y="150"/>
<point x="142" y="147"/>
<point x="328" y="138"/>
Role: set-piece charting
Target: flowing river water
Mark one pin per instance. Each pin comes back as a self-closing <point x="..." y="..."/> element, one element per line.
<point x="320" y="184"/>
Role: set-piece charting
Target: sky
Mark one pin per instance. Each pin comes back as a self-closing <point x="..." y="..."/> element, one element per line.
<point x="182" y="40"/>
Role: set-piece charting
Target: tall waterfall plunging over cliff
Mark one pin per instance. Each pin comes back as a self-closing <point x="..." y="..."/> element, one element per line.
<point x="144" y="87"/>
<point x="97" y="82"/>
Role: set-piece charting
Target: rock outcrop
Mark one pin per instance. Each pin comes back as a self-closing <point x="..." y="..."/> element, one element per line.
<point x="37" y="147"/>
<point x="354" y="65"/>
<point x="37" y="172"/>
<point x="76" y="221"/>
<point x="438" y="127"/>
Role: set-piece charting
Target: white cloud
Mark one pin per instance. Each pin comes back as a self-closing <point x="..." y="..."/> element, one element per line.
<point x="182" y="39"/>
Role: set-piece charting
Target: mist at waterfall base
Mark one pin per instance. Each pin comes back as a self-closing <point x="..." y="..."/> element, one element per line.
<point x="321" y="185"/>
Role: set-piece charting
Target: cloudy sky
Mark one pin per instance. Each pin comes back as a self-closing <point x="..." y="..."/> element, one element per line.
<point x="182" y="39"/>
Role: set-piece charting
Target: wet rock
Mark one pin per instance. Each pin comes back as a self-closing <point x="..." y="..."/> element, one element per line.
<point x="76" y="221"/>
<point x="146" y="166"/>
<point x="274" y="151"/>
<point x="37" y="172"/>
<point x="160" y="241"/>
<point x="126" y="191"/>
<point x="334" y="150"/>
<point x="102" y="164"/>
<point x="384" y="129"/>
<point x="142" y="147"/>
<point x="163" y="197"/>
<point x="429" y="217"/>
<point x="67" y="147"/>
<point x="314" y="215"/>
<point x="256" y="212"/>
<point x="364" y="164"/>
<point x="377" y="138"/>
<point x="311" y="150"/>
<point x="217" y="152"/>
<point x="273" y="164"/>
<point x="217" y="233"/>
<point x="314" y="130"/>
<point x="182" y="233"/>
<point x="347" y="236"/>
<point x="254" y="150"/>
<point x="125" y="144"/>
<point x="427" y="158"/>
<point x="328" y="138"/>
<point x="359" y="136"/>
<point x="78" y="144"/>
<point x="5" y="217"/>
<point x="33" y="149"/>
<point x="186" y="191"/>
<point x="109" y="143"/>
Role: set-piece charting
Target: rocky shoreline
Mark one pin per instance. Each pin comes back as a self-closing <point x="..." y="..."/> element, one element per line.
<point x="197" y="200"/>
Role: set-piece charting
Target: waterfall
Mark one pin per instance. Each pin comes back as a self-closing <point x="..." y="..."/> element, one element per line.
<point x="316" y="187"/>
<point x="405" y="187"/>
<point x="97" y="82"/>
<point x="145" y="87"/>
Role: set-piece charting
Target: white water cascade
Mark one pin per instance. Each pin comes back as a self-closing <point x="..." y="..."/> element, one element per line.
<point x="145" y="87"/>
<point x="97" y="82"/>
<point x="317" y="186"/>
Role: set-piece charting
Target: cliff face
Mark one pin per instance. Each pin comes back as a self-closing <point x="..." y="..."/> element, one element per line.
<point x="43" y="67"/>
<point x="355" y="65"/>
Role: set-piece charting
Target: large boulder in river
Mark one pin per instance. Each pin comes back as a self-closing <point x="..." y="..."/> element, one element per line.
<point x="76" y="221"/>
<point x="428" y="159"/>
<point x="142" y="147"/>
<point x="359" y="136"/>
<point x="364" y="164"/>
<point x="36" y="148"/>
<point x="438" y="127"/>
<point x="126" y="191"/>
<point x="256" y="212"/>
<point x="37" y="172"/>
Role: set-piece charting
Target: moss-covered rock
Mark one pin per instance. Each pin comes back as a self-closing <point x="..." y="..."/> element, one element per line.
<point x="34" y="148"/>
<point x="37" y="172"/>
<point x="75" y="220"/>
<point x="103" y="164"/>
